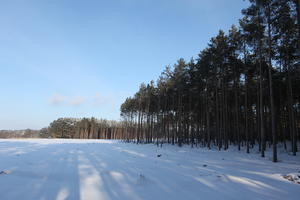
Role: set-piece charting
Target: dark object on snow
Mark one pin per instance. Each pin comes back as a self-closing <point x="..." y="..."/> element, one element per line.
<point x="4" y="172"/>
<point x="293" y="177"/>
<point x="159" y="155"/>
<point x="204" y="165"/>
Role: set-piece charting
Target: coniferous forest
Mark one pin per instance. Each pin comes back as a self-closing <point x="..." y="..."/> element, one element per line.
<point x="242" y="90"/>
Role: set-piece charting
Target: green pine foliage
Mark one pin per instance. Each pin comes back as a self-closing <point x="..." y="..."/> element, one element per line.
<point x="242" y="89"/>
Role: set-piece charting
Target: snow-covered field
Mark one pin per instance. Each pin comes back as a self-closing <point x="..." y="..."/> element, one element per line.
<point x="42" y="169"/>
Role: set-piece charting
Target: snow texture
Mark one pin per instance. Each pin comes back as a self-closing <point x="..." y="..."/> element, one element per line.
<point x="58" y="169"/>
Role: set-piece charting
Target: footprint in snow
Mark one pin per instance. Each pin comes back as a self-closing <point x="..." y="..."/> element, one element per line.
<point x="142" y="180"/>
<point x="221" y="177"/>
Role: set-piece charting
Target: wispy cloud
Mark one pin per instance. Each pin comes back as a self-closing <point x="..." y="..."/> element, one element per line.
<point x="101" y="99"/>
<point x="98" y="100"/>
<point x="56" y="99"/>
<point x="76" y="101"/>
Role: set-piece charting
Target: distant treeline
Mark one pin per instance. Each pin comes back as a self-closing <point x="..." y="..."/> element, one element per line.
<point x="244" y="88"/>
<point x="85" y="128"/>
<point x="27" y="133"/>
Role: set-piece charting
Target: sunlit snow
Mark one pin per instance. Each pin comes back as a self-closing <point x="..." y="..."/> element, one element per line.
<point x="58" y="169"/>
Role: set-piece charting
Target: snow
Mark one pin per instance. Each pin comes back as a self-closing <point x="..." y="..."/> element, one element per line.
<point x="58" y="169"/>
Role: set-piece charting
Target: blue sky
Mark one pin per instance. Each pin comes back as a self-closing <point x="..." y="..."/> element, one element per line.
<point x="82" y="58"/>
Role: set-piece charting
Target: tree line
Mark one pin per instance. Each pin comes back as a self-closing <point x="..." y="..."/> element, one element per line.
<point x="26" y="133"/>
<point x="242" y="89"/>
<point x="86" y="128"/>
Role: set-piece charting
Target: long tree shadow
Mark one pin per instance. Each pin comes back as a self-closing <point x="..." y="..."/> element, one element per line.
<point x="120" y="171"/>
<point x="121" y="180"/>
<point x="42" y="174"/>
<point x="123" y="170"/>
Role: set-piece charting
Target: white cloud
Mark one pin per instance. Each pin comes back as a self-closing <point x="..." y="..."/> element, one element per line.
<point x="76" y="101"/>
<point x="99" y="100"/>
<point x="108" y="100"/>
<point x="56" y="99"/>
